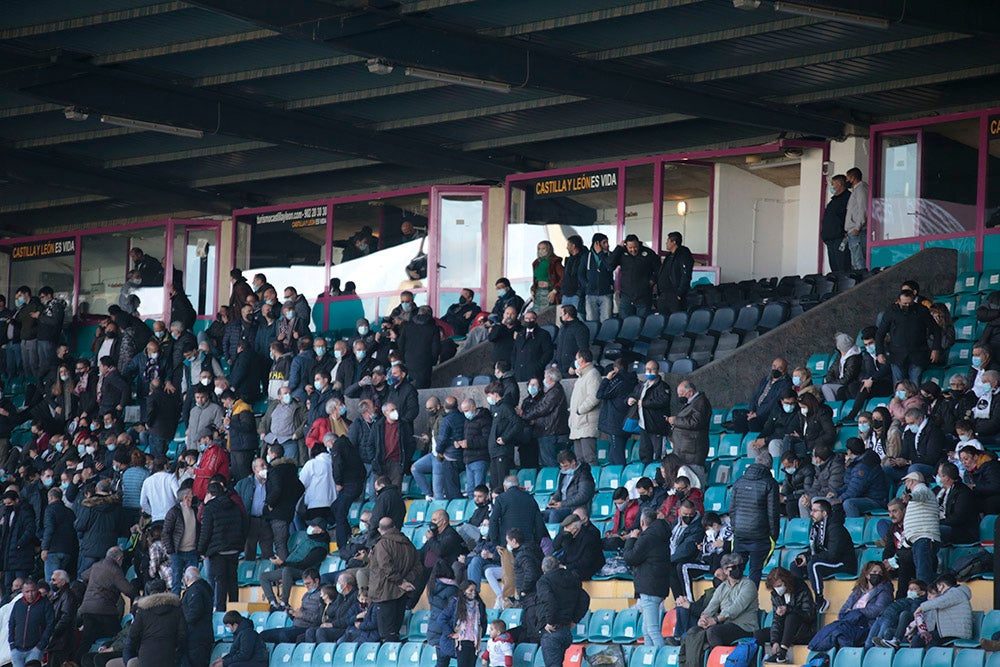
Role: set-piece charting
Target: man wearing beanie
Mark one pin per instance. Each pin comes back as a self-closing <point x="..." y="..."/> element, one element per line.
<point x="865" y="486"/>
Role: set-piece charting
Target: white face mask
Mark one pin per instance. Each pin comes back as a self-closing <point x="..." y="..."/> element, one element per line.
<point x="218" y="391"/>
<point x="262" y="474"/>
<point x="780" y="590"/>
<point x="912" y="595"/>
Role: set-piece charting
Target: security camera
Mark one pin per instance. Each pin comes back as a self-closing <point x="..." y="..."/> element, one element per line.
<point x="379" y="66"/>
<point x="76" y="113"/>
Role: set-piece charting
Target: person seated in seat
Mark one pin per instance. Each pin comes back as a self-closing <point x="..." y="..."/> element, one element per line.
<point x="686" y="537"/>
<point x="799" y="475"/>
<point x="948" y="616"/>
<point x="828" y="478"/>
<point x="576" y="487"/>
<point x="781" y="424"/>
<point x="802" y="383"/>
<point x="982" y="475"/>
<point x="578" y="545"/>
<point x="844" y="370"/>
<point x="305" y="551"/>
<point x="897" y="554"/>
<point x="831" y="551"/>
<point x="682" y="492"/>
<point x="625" y="519"/>
<point x="794" y="620"/>
<point x="247" y="649"/>
<point x="865" y="487"/>
<point x="986" y="413"/>
<point x="308" y="615"/>
<point x="875" y="378"/>
<point x="959" y="514"/>
<point x="340" y="611"/>
<point x="868" y="599"/>
<point x="924" y="446"/>
<point x="767" y="396"/>
<point x="889" y="628"/>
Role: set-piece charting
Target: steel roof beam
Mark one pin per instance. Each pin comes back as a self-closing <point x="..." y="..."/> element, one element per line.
<point x="88" y="20"/>
<point x="418" y="43"/>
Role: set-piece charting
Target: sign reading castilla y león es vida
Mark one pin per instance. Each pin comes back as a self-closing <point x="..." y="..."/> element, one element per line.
<point x="42" y="249"/>
<point x="576" y="184"/>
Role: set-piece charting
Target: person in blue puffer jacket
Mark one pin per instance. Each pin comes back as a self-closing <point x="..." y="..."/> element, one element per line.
<point x="865" y="487"/>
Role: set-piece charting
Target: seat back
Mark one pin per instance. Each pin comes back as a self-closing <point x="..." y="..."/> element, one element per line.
<point x="367" y="655"/>
<point x="282" y="654"/>
<point x="683" y="366"/>
<point x="676" y="324"/>
<point x="653" y="326"/>
<point x="723" y="319"/>
<point x="699" y="321"/>
<point x="388" y="654"/>
<point x="631" y="326"/>
<point x="608" y="331"/>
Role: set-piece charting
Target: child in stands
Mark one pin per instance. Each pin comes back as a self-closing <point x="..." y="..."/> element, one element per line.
<point x="499" y="647"/>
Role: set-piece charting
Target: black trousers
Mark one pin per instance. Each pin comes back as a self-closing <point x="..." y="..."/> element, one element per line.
<point x="788" y="630"/>
<point x="389" y="617"/>
<point x="97" y="626"/>
<point x="259" y="533"/>
<point x="222" y="568"/>
<point x="499" y="468"/>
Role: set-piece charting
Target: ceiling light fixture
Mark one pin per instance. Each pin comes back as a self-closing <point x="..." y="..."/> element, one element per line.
<point x="466" y="81"/>
<point x="682" y="208"/>
<point x="152" y="127"/>
<point x="76" y="113"/>
<point x="831" y="15"/>
<point x="379" y="66"/>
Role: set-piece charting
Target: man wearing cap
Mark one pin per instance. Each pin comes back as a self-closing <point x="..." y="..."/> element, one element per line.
<point x="731" y="614"/>
<point x="922" y="525"/>
<point x="305" y="551"/>
<point x="579" y="542"/>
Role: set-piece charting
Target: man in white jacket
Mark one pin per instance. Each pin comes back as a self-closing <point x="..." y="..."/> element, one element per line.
<point x="585" y="408"/>
<point x="317" y="476"/>
<point x="922" y="525"/>
<point x="159" y="490"/>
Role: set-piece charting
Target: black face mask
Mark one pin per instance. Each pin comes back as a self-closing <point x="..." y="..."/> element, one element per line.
<point x="776" y="374"/>
<point x="874" y="579"/>
<point x="736" y="573"/>
<point x="877" y="424"/>
<point x="686" y="520"/>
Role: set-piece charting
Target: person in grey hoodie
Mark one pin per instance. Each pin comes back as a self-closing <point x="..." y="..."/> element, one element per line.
<point x="948" y="616"/>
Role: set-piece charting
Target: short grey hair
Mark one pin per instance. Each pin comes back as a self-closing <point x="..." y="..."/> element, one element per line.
<point x="731" y="559"/>
<point x="991" y="376"/>
<point x="511" y="481"/>
<point x="915" y="413"/>
<point x="114" y="553"/>
<point x="764" y="458"/>
<point x="182" y="494"/>
<point x="549" y="563"/>
<point x="958" y="378"/>
<point x="177" y="325"/>
<point x="192" y="572"/>
<point x="553" y="374"/>
<point x="61" y="574"/>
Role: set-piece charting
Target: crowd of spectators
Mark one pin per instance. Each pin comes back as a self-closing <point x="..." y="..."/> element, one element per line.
<point x="271" y="457"/>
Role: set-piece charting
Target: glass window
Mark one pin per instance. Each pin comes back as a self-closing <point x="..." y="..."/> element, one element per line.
<point x="381" y="246"/>
<point x="993" y="176"/>
<point x="461" y="241"/>
<point x="195" y="263"/>
<point x="103" y="258"/>
<point x="287" y="247"/>
<point x="639" y="203"/>
<point x="553" y="208"/>
<point x="39" y="264"/>
<point x="687" y="204"/>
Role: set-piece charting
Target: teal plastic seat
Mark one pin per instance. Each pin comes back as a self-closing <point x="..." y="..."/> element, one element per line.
<point x="220" y="649"/>
<point x="632" y="471"/>
<point x="643" y="656"/>
<point x="939" y="656"/>
<point x="856" y="529"/>
<point x="772" y="562"/>
<point x="667" y="656"/>
<point x="960" y="354"/>
<point x="986" y="528"/>
<point x="580" y="629"/>
<point x="601" y="625"/>
<point x="602" y="507"/>
<point x="731" y="446"/>
<point x="966" y="305"/>
<point x="428" y="656"/>
<point x="990" y="281"/>
<point x="303" y="654"/>
<point x="512" y="617"/>
<point x="282" y="655"/>
<point x="797" y="532"/>
<point x="459" y="511"/>
<point x="388" y="654"/>
<point x="417" y="513"/>
<point x="524" y="655"/>
<point x="344" y="655"/>
<point x="367" y="655"/>
<point x="717" y="499"/>
<point x="610" y="478"/>
<point x="965" y="328"/>
<point x="409" y="654"/>
<point x="991" y="624"/>
<point x="323" y="655"/>
<point x="970" y="657"/>
<point x="547" y="480"/>
<point x="526" y="479"/>
<point x="818" y="365"/>
<point x="718" y="418"/>
<point x="740" y="467"/>
<point x="221" y="632"/>
<point x="259" y="620"/>
<point x="877" y="657"/>
<point x="434" y="506"/>
<point x="418" y="626"/>
<point x="967" y="282"/>
<point x="908" y="657"/>
<point x="870" y="536"/>
<point x="277" y="619"/>
<point x="626" y="627"/>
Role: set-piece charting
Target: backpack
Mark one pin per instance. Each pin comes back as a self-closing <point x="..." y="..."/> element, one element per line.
<point x="821" y="660"/>
<point x="744" y="655"/>
<point x="969" y="566"/>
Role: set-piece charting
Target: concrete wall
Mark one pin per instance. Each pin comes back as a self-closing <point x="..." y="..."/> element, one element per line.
<point x="732" y="380"/>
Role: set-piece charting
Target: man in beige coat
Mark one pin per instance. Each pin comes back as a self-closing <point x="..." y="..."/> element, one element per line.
<point x="585" y="408"/>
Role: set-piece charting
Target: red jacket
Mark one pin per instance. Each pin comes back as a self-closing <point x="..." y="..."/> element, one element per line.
<point x="631" y="518"/>
<point x="214" y="461"/>
<point x="555" y="274"/>
<point x="670" y="506"/>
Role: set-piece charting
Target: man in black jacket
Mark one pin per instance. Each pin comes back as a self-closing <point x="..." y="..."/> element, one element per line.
<point x="196" y="605"/>
<point x="573" y="336"/>
<point x="515" y="508"/>
<point x="832" y="227"/>
<point x="959" y="513"/>
<point x="223" y="532"/>
<point x="163" y="413"/>
<point x="784" y="420"/>
<point x="638" y="265"/>
<point x="647" y="552"/>
<point x="532" y="348"/>
<point x="505" y="433"/>
<point x="339" y="614"/>
<point x="572" y="290"/>
<point x="578" y="545"/>
<point x="799" y="476"/>
<point x="475" y="445"/>
<point x="831" y="551"/>
<point x="557" y="601"/>
<point x="924" y="446"/>
<point x="388" y="503"/>
<point x="59" y="542"/>
<point x="349" y="477"/>
<point x="527" y="564"/>
<point x="756" y="514"/>
<point x="875" y="378"/>
<point x="65" y="603"/>
<point x="674" y="279"/>
<point x="910" y="326"/>
<point x="404" y="396"/>
<point x="283" y="492"/>
<point x="181" y="309"/>
<point x="460" y="315"/>
<point x="420" y="344"/>
<point x="112" y="390"/>
<point x="653" y="400"/>
<point x="50" y="325"/>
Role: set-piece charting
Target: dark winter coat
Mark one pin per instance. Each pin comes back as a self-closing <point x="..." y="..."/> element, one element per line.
<point x="754" y="507"/>
<point x="388" y="503"/>
<point x="532" y="353"/>
<point x="158" y="636"/>
<point x="580" y="491"/>
<point x="223" y="527"/>
<point x="420" y="344"/>
<point x="477" y="436"/>
<point x="197" y="606"/>
<point x="638" y="273"/>
<point x="547" y="412"/>
<point x="649" y="557"/>
<point x="582" y="553"/>
<point x="655" y="406"/>
<point x="506" y="426"/>
<point x="572" y="337"/>
<point x="527" y="567"/>
<point x="614" y="395"/>
<point x="556" y="599"/>
<point x="864" y="479"/>
<point x="909" y="329"/>
<point x="515" y="508"/>
<point x="283" y="490"/>
<point x="58" y="535"/>
<point x="98" y="524"/>
<point x="247" y="646"/>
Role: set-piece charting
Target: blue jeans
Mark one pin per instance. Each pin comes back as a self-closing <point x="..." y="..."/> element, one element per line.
<point x="84" y="564"/>
<point x="650" y="606"/>
<point x="291" y="448"/>
<point x="475" y="474"/>
<point x="856" y="244"/>
<point x="548" y="450"/>
<point x="754" y="552"/>
<point x="925" y="559"/>
<point x="477" y="569"/>
<point x="858" y="506"/>
<point x="46" y="355"/>
<point x="576" y="303"/>
<point x="445" y="478"/>
<point x="54" y="561"/>
<point x="556" y="516"/>
<point x="20" y="657"/>
<point x="616" y="452"/>
<point x="554" y="645"/>
<point x="14" y="366"/>
<point x="179" y="562"/>
<point x="157" y="445"/>
<point x="911" y="373"/>
<point x="422" y="469"/>
<point x="599" y="307"/>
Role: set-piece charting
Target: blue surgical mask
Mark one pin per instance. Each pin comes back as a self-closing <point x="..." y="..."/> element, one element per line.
<point x="343" y="409"/>
<point x="340" y="588"/>
<point x="789" y="471"/>
<point x="64" y="485"/>
<point x="391" y="379"/>
<point x="407" y="306"/>
<point x="47" y="481"/>
<point x="289" y="314"/>
<point x="19" y="301"/>
<point x="320" y="351"/>
<point x="652" y="376"/>
<point x="870" y="349"/>
<point x="469" y="415"/>
<point x="576" y="364"/>
<point x="912" y="428"/>
<point x="59" y="446"/>
<point x="95" y="426"/>
<point x="360" y="354"/>
<point x="337" y="354"/>
<point x="112" y="448"/>
<point x="81" y="450"/>
<point x="491" y="400"/>
<point x="318" y="384"/>
<point x="912" y="595"/>
<point x="532" y="390"/>
<point x="788" y="408"/>
<point x="977" y="362"/>
<point x="937" y="479"/>
<point x="964" y="437"/>
<point x="864" y="427"/>
<point x="362" y="331"/>
<point x="901" y="395"/>
<point x="502" y="292"/>
<point x="796" y="380"/>
<point x="286" y="399"/>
